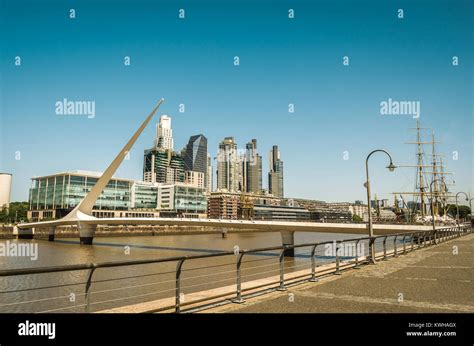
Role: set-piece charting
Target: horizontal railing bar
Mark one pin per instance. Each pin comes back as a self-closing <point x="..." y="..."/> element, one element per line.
<point x="41" y="288"/>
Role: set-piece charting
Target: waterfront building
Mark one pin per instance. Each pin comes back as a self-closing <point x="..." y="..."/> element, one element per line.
<point x="182" y="200"/>
<point x="144" y="195"/>
<point x="280" y="213"/>
<point x="236" y="205"/>
<point x="275" y="175"/>
<point x="54" y="196"/>
<point x="223" y="205"/>
<point x="227" y="166"/>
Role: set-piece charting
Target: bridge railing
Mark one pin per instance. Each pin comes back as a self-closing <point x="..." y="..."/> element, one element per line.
<point x="249" y="271"/>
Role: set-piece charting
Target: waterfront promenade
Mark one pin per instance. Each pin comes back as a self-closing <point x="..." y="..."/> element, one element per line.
<point x="435" y="279"/>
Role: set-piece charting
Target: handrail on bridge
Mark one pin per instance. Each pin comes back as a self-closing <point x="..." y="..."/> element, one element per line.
<point x="434" y="237"/>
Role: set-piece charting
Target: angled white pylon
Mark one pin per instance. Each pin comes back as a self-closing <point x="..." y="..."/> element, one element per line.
<point x="83" y="211"/>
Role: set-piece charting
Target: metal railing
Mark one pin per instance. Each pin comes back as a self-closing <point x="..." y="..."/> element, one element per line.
<point x="302" y="271"/>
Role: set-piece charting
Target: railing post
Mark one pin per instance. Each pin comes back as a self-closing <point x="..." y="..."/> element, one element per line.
<point x="404" y="245"/>
<point x="412" y="241"/>
<point x="337" y="272"/>
<point x="357" y="255"/>
<point x="418" y="239"/>
<point x="238" y="299"/>
<point x="178" y="285"/>
<point x="282" y="270"/>
<point x="385" y="248"/>
<point x="395" y="246"/>
<point x="313" y="264"/>
<point x="88" y="288"/>
<point x="434" y="236"/>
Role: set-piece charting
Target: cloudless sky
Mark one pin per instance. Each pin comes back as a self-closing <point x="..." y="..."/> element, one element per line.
<point x="282" y="61"/>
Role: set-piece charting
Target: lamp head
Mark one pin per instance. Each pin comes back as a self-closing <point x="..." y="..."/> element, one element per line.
<point x="391" y="167"/>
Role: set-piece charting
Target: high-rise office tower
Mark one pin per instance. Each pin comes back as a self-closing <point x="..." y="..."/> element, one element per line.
<point x="242" y="172"/>
<point x="227" y="165"/>
<point x="195" y="161"/>
<point x="195" y="157"/>
<point x="164" y="133"/>
<point x="161" y="164"/>
<point x="209" y="176"/>
<point x="275" y="176"/>
<point x="252" y="166"/>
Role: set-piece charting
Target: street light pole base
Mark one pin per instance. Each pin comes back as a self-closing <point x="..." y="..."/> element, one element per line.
<point x="238" y="301"/>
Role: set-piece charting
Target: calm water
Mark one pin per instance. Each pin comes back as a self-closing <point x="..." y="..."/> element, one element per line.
<point x="134" y="284"/>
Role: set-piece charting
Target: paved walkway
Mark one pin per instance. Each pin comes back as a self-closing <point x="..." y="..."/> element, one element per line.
<point x="435" y="279"/>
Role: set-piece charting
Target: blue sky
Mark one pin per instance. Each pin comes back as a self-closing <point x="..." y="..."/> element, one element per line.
<point x="282" y="61"/>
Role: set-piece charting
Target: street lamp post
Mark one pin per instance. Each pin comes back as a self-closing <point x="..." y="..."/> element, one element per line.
<point x="470" y="211"/>
<point x="431" y="201"/>
<point x="391" y="168"/>
<point x="457" y="205"/>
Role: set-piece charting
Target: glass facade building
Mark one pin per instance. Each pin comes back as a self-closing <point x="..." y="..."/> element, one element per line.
<point x="162" y="166"/>
<point x="275" y="176"/>
<point x="144" y="195"/>
<point x="56" y="195"/>
<point x="195" y="157"/>
<point x="182" y="198"/>
<point x="66" y="190"/>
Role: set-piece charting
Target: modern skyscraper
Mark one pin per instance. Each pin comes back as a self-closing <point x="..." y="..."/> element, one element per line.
<point x="195" y="161"/>
<point x="161" y="164"/>
<point x="164" y="133"/>
<point x="227" y="165"/>
<point x="252" y="168"/>
<point x="209" y="176"/>
<point x="195" y="156"/>
<point x="275" y="176"/>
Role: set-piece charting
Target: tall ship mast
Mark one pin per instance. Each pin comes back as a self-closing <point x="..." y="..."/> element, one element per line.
<point x="427" y="170"/>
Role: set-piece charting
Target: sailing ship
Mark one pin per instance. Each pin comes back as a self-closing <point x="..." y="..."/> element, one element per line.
<point x="431" y="188"/>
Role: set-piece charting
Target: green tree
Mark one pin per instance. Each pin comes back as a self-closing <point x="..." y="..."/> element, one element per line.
<point x="356" y="218"/>
<point x="15" y="213"/>
<point x="464" y="211"/>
